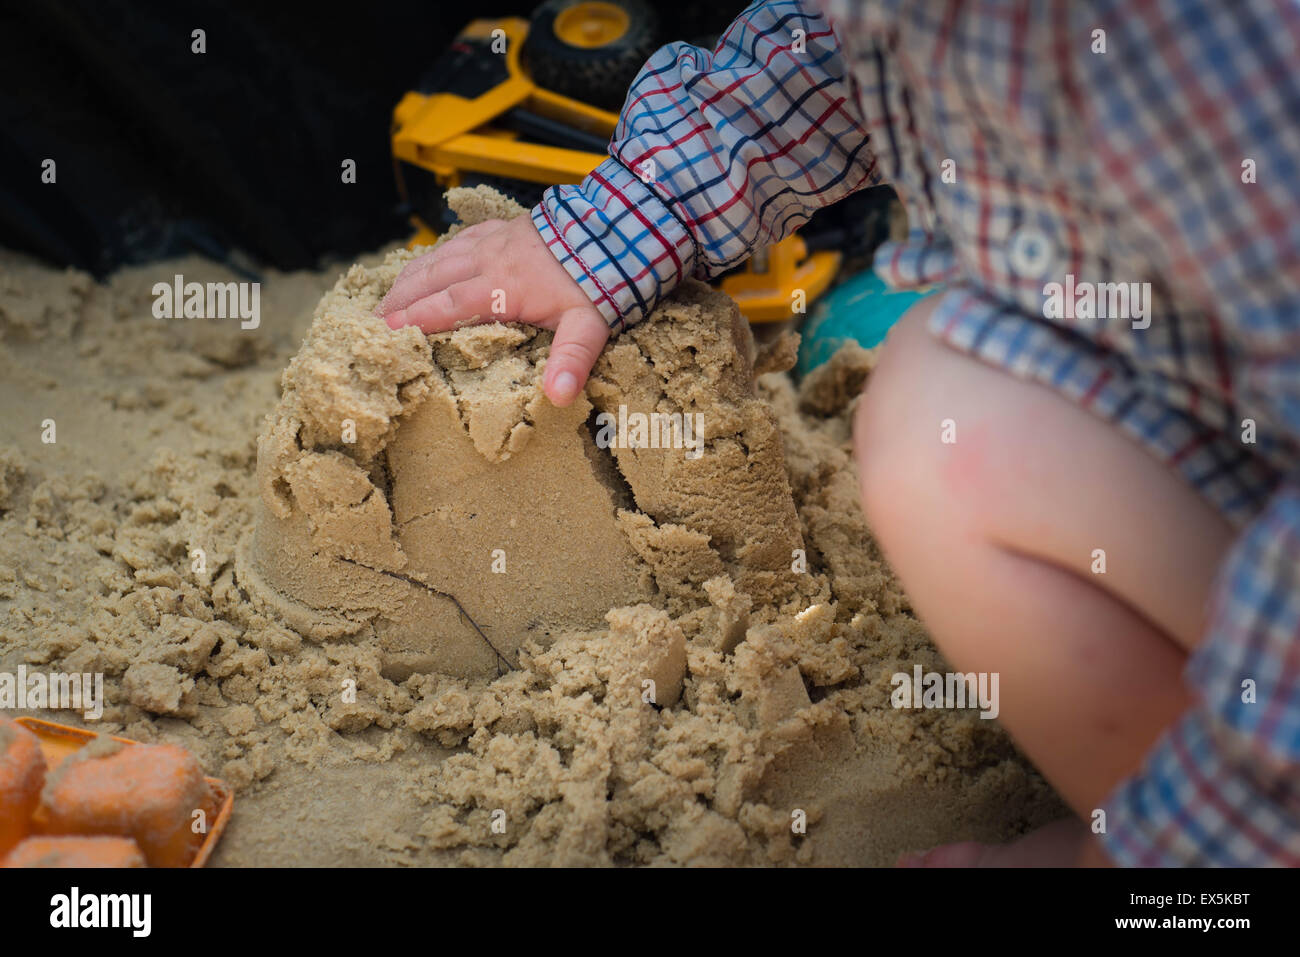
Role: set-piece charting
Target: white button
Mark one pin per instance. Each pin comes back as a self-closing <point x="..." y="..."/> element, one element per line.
<point x="1032" y="253"/>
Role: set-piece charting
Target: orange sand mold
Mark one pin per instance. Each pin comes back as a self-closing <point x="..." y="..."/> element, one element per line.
<point x="147" y="792"/>
<point x="22" y="775"/>
<point x="63" y="851"/>
<point x="102" y="786"/>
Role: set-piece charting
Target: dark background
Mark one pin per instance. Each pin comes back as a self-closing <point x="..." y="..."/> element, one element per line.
<point x="160" y="151"/>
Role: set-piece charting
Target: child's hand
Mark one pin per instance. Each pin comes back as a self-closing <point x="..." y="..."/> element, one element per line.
<point x="502" y="270"/>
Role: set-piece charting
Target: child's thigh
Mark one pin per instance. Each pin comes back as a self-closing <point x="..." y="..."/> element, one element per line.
<point x="949" y="447"/>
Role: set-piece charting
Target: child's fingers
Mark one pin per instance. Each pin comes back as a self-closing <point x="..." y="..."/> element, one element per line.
<point x="579" y="337"/>
<point x="429" y="277"/>
<point x="412" y="282"/>
<point x="414" y="268"/>
<point x="444" y="309"/>
<point x="415" y="280"/>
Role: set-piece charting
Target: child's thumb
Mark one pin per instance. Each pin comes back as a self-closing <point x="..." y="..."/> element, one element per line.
<point x="579" y="337"/>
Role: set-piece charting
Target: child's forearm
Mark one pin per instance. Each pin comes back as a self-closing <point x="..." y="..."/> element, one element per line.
<point x="716" y="153"/>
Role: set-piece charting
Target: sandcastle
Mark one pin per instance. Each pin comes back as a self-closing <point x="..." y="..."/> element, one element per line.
<point x="422" y="493"/>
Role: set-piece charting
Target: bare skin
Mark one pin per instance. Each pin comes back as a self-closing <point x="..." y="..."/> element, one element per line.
<point x="993" y="538"/>
<point x="503" y="263"/>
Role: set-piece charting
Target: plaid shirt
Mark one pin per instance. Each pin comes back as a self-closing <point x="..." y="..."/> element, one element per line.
<point x="1028" y="147"/>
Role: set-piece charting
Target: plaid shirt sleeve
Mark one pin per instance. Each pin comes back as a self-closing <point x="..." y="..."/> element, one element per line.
<point x="716" y="153"/>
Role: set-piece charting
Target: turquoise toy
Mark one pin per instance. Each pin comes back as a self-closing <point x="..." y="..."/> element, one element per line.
<point x="861" y="308"/>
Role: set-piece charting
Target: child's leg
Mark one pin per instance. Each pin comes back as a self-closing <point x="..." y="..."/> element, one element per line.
<point x="993" y="539"/>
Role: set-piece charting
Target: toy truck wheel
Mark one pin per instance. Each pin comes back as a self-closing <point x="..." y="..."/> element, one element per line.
<point x="590" y="50"/>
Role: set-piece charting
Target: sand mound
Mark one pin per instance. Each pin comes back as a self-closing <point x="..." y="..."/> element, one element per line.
<point x="771" y="692"/>
<point x="423" y="493"/>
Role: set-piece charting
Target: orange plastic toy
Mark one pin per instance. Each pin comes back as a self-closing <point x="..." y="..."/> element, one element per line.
<point x="76" y="852"/>
<point x="146" y="793"/>
<point x="22" y="775"/>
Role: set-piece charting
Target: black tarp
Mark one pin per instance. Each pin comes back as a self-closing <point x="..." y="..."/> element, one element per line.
<point x="160" y="151"/>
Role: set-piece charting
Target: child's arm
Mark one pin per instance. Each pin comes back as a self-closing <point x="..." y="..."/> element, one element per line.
<point x="716" y="153"/>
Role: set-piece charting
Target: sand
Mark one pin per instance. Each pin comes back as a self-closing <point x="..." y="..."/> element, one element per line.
<point x="342" y="651"/>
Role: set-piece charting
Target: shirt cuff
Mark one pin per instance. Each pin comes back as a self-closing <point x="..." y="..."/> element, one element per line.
<point x="617" y="239"/>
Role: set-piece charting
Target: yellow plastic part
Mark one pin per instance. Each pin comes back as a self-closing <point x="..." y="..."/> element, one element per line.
<point x="781" y="281"/>
<point x="592" y="24"/>
<point x="424" y="236"/>
<point x="444" y="132"/>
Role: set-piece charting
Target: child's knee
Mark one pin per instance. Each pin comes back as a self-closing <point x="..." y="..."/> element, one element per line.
<point x="895" y="464"/>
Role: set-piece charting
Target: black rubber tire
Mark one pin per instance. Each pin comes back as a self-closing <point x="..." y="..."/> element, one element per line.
<point x="597" y="76"/>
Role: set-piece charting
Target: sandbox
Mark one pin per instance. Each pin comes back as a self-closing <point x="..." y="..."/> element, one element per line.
<point x="278" y="546"/>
